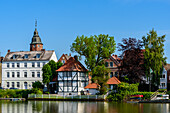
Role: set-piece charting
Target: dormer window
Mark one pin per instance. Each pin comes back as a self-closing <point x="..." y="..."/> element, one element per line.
<point x="14" y="56"/>
<point x="26" y="56"/>
<point x="38" y="56"/>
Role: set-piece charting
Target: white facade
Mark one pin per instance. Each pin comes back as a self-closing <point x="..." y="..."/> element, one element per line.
<point x="72" y="82"/>
<point x="163" y="80"/>
<point x="22" y="74"/>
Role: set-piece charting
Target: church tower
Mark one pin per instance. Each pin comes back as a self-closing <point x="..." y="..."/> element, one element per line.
<point x="36" y="44"/>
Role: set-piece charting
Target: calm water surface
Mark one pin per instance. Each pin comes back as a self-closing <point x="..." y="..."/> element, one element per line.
<point x="80" y="107"/>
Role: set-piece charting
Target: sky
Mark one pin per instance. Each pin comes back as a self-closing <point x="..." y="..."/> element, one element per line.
<point x="59" y="22"/>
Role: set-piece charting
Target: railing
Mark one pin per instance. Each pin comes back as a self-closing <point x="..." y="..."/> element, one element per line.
<point x="55" y="96"/>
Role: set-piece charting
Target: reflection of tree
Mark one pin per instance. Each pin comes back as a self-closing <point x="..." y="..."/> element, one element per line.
<point x="38" y="106"/>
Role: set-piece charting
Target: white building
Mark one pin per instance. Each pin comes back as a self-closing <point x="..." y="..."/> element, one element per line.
<point x="21" y="69"/>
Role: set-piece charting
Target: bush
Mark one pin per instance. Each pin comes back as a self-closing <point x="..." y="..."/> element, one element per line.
<point x="37" y="84"/>
<point x="124" y="90"/>
<point x="146" y="95"/>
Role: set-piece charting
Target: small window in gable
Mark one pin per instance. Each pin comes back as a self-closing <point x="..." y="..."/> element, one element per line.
<point x="26" y="56"/>
<point x="38" y="56"/>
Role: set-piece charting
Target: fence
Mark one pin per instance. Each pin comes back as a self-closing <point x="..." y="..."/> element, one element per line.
<point x="76" y="97"/>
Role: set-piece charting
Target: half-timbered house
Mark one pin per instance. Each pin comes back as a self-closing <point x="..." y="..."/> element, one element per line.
<point x="72" y="77"/>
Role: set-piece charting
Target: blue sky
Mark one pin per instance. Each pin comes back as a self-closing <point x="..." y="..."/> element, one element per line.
<point x="61" y="21"/>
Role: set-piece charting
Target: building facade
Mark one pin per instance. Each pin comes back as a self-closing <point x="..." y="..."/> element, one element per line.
<point x="72" y="77"/>
<point x="21" y="69"/>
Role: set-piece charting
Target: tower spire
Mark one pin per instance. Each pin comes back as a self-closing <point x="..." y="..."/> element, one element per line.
<point x="35" y="23"/>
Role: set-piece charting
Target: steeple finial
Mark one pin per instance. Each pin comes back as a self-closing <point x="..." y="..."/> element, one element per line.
<point x="35" y="23"/>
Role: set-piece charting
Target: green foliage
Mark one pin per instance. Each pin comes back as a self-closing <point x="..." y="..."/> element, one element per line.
<point x="154" y="55"/>
<point x="46" y="73"/>
<point x="95" y="49"/>
<point x="123" y="91"/>
<point x="59" y="64"/>
<point x="53" y="66"/>
<point x="162" y="90"/>
<point x="37" y="84"/>
<point x="36" y="91"/>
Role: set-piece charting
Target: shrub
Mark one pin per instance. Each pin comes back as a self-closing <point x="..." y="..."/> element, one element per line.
<point x="146" y="95"/>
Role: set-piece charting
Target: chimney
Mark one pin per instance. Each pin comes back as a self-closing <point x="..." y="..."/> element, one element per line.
<point x="116" y="56"/>
<point x="70" y="54"/>
<point x="76" y="57"/>
<point x="9" y="50"/>
<point x="42" y="49"/>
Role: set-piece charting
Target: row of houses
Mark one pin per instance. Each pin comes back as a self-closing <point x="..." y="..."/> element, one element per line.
<point x="20" y="69"/>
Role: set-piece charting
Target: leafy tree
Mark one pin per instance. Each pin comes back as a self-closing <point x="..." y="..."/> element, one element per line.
<point x="46" y="73"/>
<point x="53" y="66"/>
<point x="95" y="49"/>
<point x="59" y="64"/>
<point x="37" y="84"/>
<point x="131" y="55"/>
<point x="154" y="56"/>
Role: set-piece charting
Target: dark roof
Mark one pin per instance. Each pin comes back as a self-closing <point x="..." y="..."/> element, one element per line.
<point x="36" y="39"/>
<point x="72" y="65"/>
<point x="32" y="55"/>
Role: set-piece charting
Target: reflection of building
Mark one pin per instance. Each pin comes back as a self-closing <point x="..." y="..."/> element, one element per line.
<point x="21" y="69"/>
<point x="72" y="77"/>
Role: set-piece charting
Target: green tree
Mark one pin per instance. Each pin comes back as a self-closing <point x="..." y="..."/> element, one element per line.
<point x="59" y="64"/>
<point x="95" y="49"/>
<point x="154" y="56"/>
<point x="37" y="84"/>
<point x="46" y="73"/>
<point x="53" y="66"/>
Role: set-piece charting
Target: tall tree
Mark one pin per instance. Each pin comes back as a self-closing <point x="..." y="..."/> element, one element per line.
<point x="53" y="66"/>
<point x="131" y="55"/>
<point x="46" y="73"/>
<point x="154" y="55"/>
<point x="95" y="49"/>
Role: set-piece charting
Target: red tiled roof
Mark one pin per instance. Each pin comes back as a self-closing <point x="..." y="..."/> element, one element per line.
<point x="72" y="65"/>
<point x="92" y="86"/>
<point x="113" y="80"/>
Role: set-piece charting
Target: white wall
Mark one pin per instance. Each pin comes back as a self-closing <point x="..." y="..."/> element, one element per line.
<point x="29" y="69"/>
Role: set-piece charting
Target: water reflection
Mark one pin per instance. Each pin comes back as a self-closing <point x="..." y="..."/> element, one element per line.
<point x="80" y="107"/>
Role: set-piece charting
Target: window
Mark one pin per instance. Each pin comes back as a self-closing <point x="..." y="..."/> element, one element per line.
<point x="25" y="74"/>
<point x="13" y="74"/>
<point x="7" y="84"/>
<point x="38" y="56"/>
<point x="38" y="64"/>
<point x="69" y="83"/>
<point x="33" y="74"/>
<point x="38" y="45"/>
<point x="163" y="84"/>
<point x="18" y="74"/>
<point x="13" y="85"/>
<point x="8" y="74"/>
<point x="26" y="56"/>
<point x="34" y="46"/>
<point x="43" y="63"/>
<point x="106" y="64"/>
<point x="25" y="64"/>
<point x="111" y="64"/>
<point x="65" y="83"/>
<point x="63" y="61"/>
<point x="33" y="64"/>
<point x="8" y="65"/>
<point x="111" y="74"/>
<point x="13" y="65"/>
<point x="163" y="76"/>
<point x="18" y="84"/>
<point x="18" y="64"/>
<point x="38" y="74"/>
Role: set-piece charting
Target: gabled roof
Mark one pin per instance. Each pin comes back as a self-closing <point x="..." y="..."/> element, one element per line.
<point x="32" y="56"/>
<point x="92" y="86"/>
<point x="113" y="80"/>
<point x="167" y="67"/>
<point x="72" y="65"/>
<point x="66" y="57"/>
